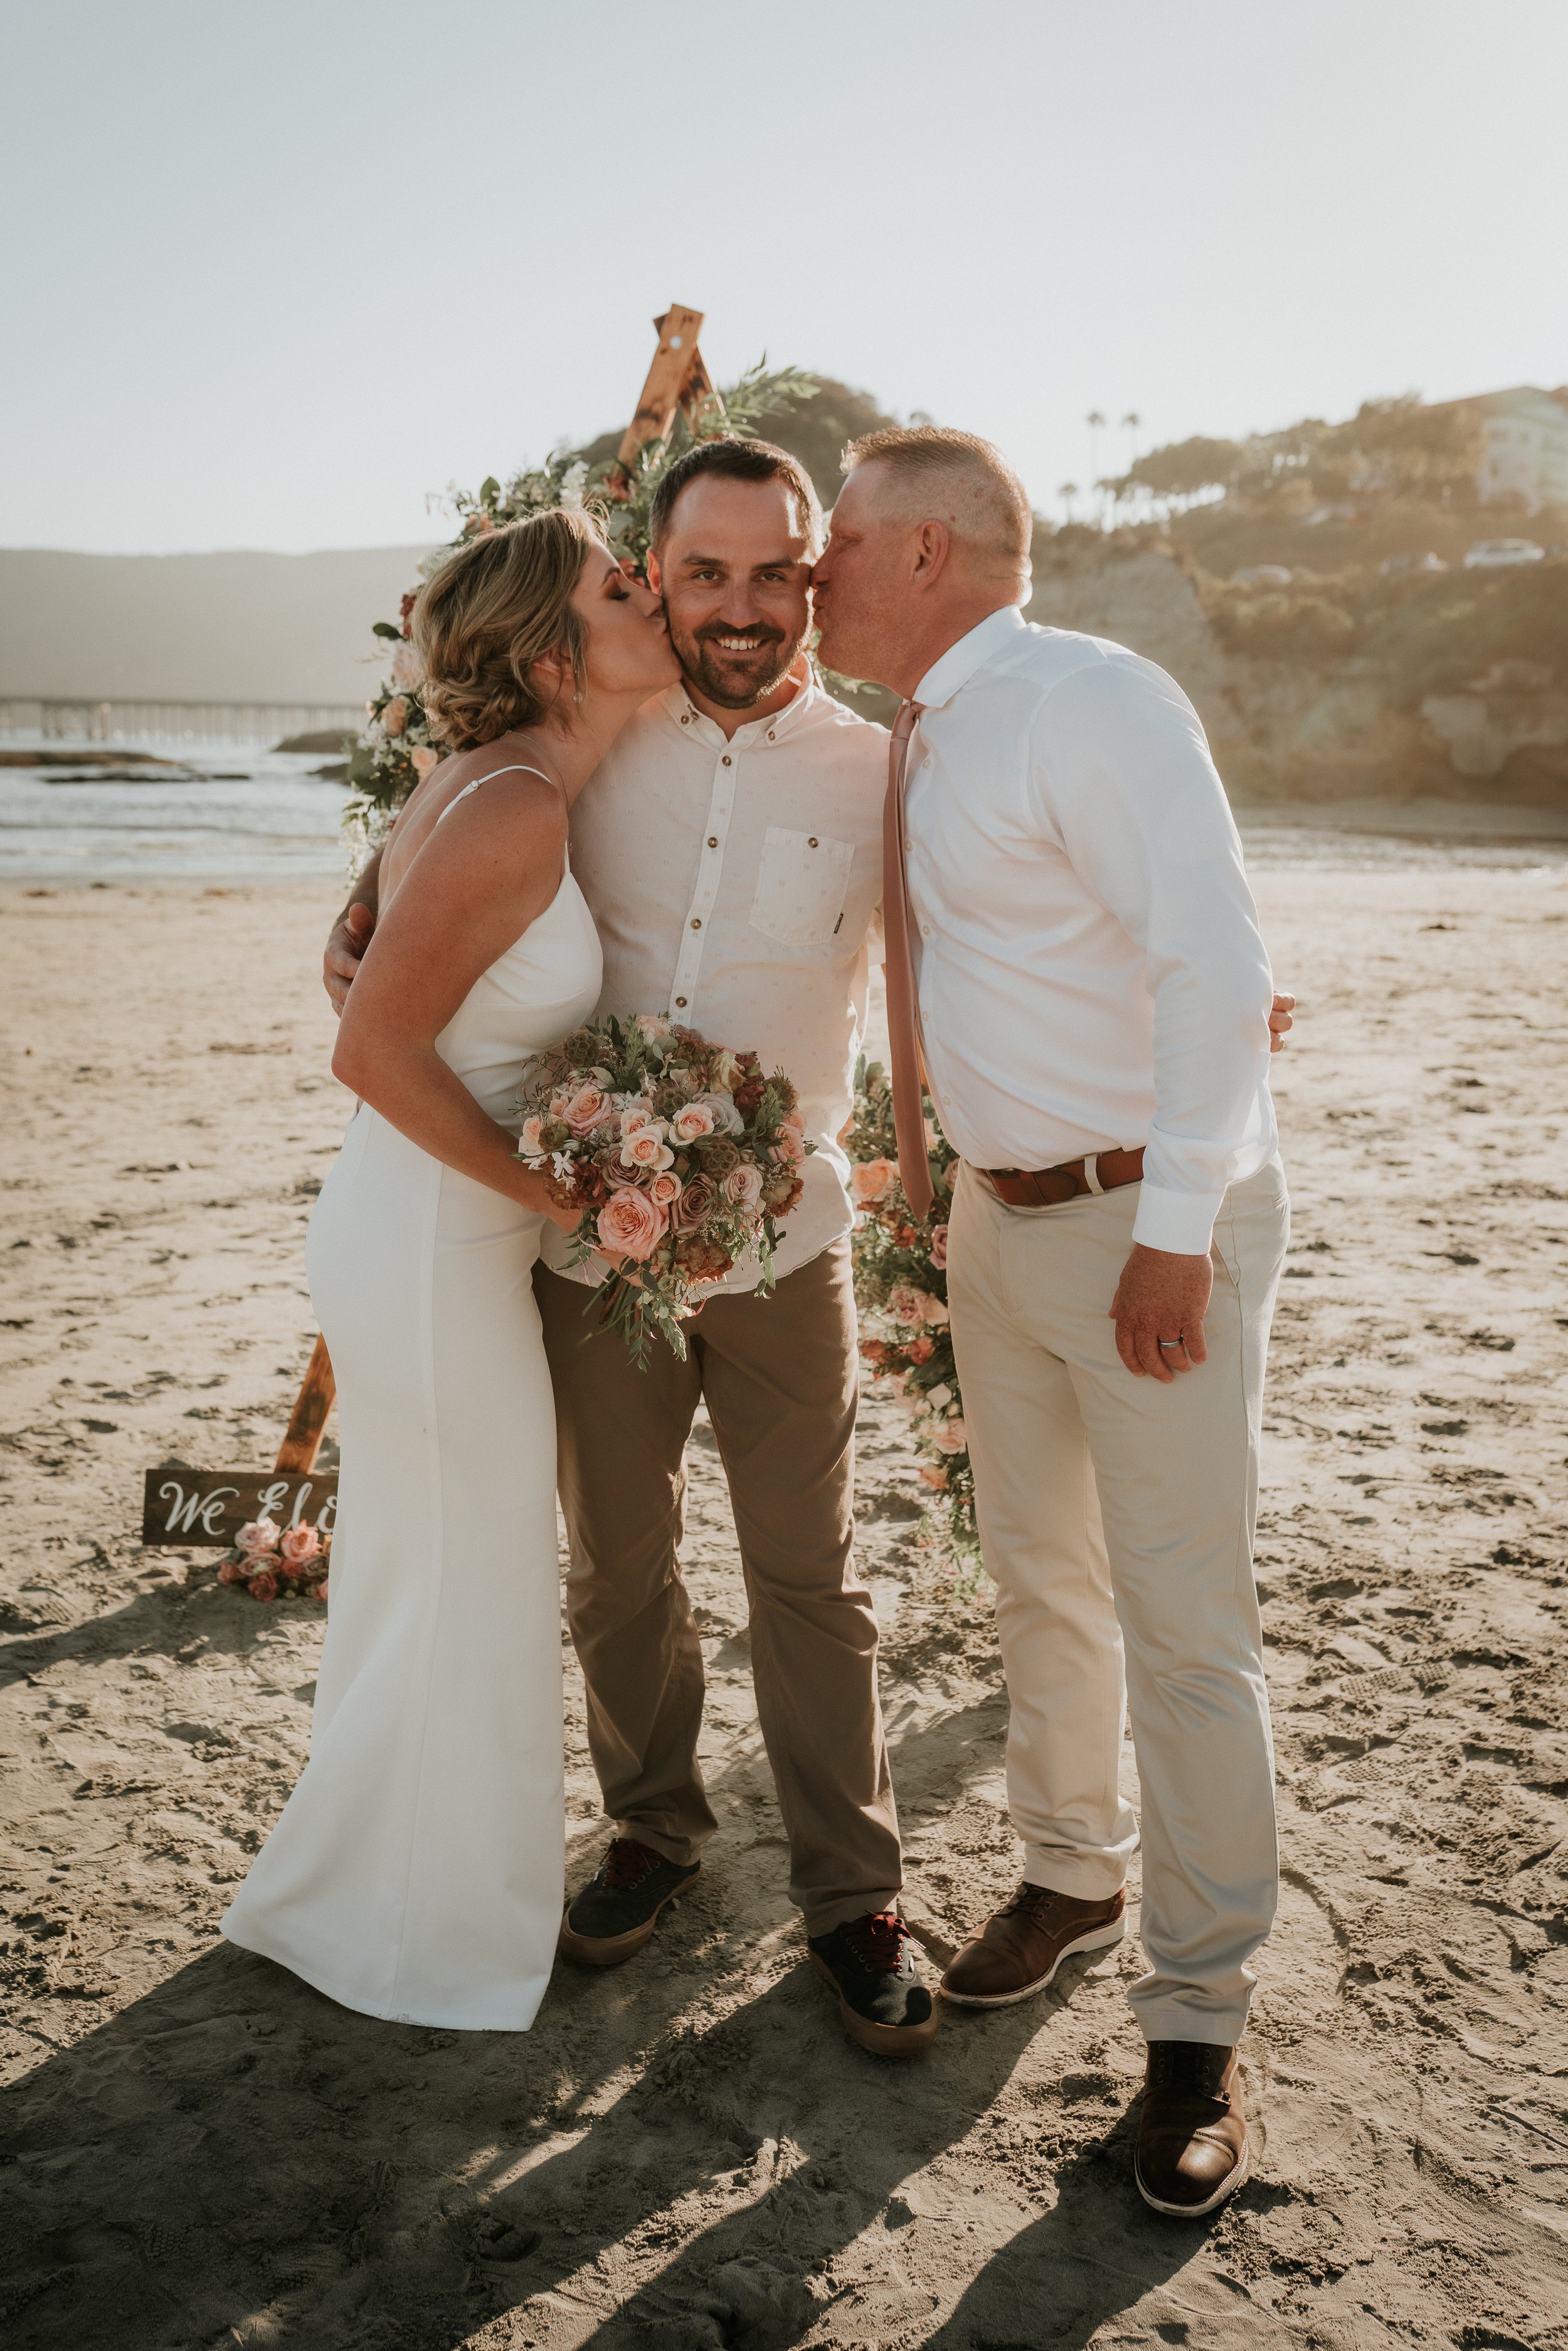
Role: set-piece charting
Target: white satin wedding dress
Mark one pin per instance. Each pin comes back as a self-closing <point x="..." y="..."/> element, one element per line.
<point x="416" y="1870"/>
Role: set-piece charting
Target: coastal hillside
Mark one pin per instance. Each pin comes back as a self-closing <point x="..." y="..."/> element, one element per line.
<point x="1308" y="588"/>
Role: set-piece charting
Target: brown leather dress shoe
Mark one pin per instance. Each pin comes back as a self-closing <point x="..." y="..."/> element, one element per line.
<point x="1019" y="1950"/>
<point x="1192" y="2134"/>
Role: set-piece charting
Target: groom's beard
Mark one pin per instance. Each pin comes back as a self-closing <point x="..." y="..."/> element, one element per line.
<point x="732" y="677"/>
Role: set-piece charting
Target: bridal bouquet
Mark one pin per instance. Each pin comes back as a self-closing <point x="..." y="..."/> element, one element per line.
<point x="900" y="1291"/>
<point x="679" y="1153"/>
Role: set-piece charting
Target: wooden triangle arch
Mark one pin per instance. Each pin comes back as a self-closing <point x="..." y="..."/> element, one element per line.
<point x="676" y="380"/>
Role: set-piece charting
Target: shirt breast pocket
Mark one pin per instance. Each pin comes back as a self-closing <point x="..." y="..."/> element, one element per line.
<point x="802" y="886"/>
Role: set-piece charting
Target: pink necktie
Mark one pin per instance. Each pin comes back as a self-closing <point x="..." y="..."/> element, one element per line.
<point x="908" y="1106"/>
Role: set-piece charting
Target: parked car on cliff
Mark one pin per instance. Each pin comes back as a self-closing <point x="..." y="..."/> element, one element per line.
<point x="1493" y="554"/>
<point x="1392" y="565"/>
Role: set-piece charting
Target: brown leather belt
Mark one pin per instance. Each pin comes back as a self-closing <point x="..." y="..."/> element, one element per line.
<point x="1048" y="1187"/>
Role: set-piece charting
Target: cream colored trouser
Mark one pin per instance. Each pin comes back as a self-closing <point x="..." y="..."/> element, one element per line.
<point x="1117" y="1516"/>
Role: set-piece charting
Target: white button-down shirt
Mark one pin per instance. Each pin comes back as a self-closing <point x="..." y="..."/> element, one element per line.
<point x="1091" y="969"/>
<point x="734" y="885"/>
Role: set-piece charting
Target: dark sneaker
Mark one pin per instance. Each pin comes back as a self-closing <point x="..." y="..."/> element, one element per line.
<point x="1192" y="2134"/>
<point x="870" y="1962"/>
<point x="1018" y="1951"/>
<point x="616" y="1914"/>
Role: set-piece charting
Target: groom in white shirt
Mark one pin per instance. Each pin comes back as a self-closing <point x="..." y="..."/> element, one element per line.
<point x="1073" y="952"/>
<point x="730" y="852"/>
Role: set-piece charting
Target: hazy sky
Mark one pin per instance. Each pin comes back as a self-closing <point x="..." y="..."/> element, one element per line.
<point x="272" y="273"/>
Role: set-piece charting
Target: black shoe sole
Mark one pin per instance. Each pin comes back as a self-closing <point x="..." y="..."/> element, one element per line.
<point x="882" y="2040"/>
<point x="609" y="1950"/>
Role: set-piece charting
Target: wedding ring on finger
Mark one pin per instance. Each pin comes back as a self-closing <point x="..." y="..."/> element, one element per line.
<point x="1168" y="1343"/>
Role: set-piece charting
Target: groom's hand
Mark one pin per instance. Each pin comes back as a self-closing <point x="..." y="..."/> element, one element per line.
<point x="1162" y="1296"/>
<point x="1280" y="1022"/>
<point x="344" y="950"/>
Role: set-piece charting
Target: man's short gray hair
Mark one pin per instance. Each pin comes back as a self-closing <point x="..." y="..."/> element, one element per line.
<point x="966" y="482"/>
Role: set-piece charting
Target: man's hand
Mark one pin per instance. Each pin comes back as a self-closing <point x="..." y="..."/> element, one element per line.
<point x="1162" y="1297"/>
<point x="1280" y="1022"/>
<point x="344" y="950"/>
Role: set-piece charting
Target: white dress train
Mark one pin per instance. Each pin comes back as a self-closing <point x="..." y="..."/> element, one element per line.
<point x="416" y="1870"/>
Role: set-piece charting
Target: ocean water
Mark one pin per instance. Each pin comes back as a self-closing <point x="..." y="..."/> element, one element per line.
<point x="242" y="815"/>
<point x="245" y="815"/>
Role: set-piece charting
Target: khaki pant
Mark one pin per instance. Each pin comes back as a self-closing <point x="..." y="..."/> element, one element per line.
<point x="1117" y="1516"/>
<point x="778" y="1376"/>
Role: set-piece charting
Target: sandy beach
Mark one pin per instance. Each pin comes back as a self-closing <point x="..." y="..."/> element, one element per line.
<point x="687" y="2153"/>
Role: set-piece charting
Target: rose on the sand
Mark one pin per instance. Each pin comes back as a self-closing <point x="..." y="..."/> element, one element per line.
<point x="298" y="1547"/>
<point x="264" y="1586"/>
<point x="630" y="1224"/>
<point x="259" y="1539"/>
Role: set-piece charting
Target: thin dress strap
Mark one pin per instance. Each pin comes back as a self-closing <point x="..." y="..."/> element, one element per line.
<point x="518" y="768"/>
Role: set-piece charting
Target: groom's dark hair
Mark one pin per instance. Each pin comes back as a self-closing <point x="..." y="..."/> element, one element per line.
<point x="737" y="460"/>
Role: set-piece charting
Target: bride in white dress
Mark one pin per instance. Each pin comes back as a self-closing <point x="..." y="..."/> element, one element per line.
<point x="416" y="1871"/>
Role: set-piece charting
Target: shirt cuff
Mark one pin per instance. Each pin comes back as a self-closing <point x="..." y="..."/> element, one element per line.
<point x="1182" y="1222"/>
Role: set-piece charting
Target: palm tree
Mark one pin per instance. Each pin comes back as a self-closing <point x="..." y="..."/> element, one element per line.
<point x="1067" y="492"/>
<point x="1096" y="425"/>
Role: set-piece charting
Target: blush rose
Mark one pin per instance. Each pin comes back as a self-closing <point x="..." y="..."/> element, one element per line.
<point x="630" y="1225"/>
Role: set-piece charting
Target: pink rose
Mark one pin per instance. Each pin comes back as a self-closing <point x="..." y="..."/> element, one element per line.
<point x="721" y="1109"/>
<point x="407" y="669"/>
<point x="588" y="1109"/>
<point x="949" y="1435"/>
<point x="938" y="1477"/>
<point x="742" y="1187"/>
<point x="696" y="1203"/>
<point x="259" y="1539"/>
<point x="263" y="1586"/>
<point x="695" y="1119"/>
<point x="920" y="1350"/>
<point x="939" y="1248"/>
<point x="298" y="1547"/>
<point x="630" y="1225"/>
<point x="789" y="1143"/>
<point x="933" y="1309"/>
<point x="872" y="1179"/>
<point x="529" y="1139"/>
<point x="425" y="761"/>
<point x="321" y="1591"/>
<point x="636" y="1115"/>
<point x="233" y="1571"/>
<point x="646" y="1147"/>
<point x="904" y="1303"/>
<point x="666" y="1188"/>
<point x="394" y="718"/>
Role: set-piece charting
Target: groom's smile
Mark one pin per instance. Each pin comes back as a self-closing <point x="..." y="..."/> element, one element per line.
<point x="733" y="565"/>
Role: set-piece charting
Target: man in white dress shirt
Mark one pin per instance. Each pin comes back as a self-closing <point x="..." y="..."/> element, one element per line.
<point x="730" y="852"/>
<point x="1074" y="949"/>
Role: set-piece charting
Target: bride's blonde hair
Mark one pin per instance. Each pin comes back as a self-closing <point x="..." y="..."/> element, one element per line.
<point x="491" y="611"/>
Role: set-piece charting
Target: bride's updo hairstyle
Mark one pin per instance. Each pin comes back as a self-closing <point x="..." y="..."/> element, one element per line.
<point x="492" y="611"/>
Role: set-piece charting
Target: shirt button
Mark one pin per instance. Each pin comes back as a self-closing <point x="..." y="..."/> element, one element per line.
<point x="726" y="759"/>
<point x="771" y="734"/>
<point x="712" y="840"/>
<point x="696" y="922"/>
<point x="925" y="930"/>
<point x="812" y="843"/>
<point x="925" y="763"/>
<point x="680" y="1004"/>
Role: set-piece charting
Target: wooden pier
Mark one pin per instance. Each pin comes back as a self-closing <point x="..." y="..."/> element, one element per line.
<point x="116" y="720"/>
